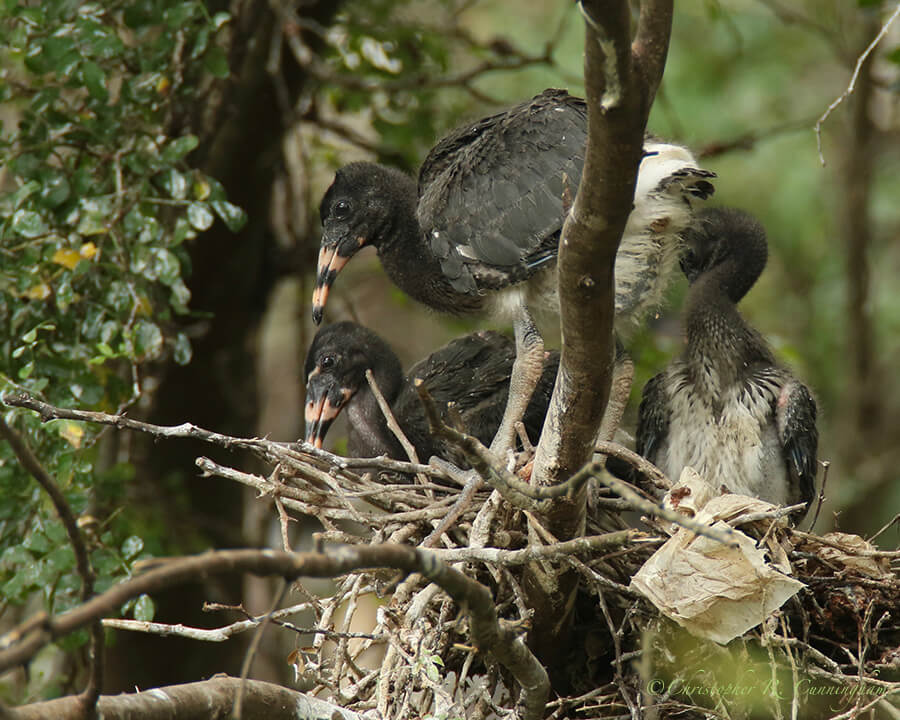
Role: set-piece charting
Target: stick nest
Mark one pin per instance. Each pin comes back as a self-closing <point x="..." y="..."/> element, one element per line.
<point x="830" y="652"/>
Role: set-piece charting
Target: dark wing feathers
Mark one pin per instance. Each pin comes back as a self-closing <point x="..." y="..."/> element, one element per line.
<point x="473" y="373"/>
<point x="493" y="191"/>
<point x="796" y="419"/>
<point x="653" y="418"/>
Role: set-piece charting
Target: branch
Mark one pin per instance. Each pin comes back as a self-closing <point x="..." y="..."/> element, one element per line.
<point x="391" y="421"/>
<point x="211" y="699"/>
<point x="487" y="632"/>
<point x="853" y="78"/>
<point x="556" y="551"/>
<point x="515" y="491"/>
<point x="220" y="634"/>
<point x="639" y="464"/>
<point x="645" y="506"/>
<point x="32" y="465"/>
<point x="620" y="82"/>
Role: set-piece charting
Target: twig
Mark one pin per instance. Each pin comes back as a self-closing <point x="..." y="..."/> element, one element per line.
<point x="893" y="521"/>
<point x="845" y="549"/>
<point x="775" y="514"/>
<point x="645" y="506"/>
<point x="821" y="497"/>
<point x="641" y="465"/>
<point x="209" y="634"/>
<point x="853" y="78"/>
<point x="392" y="424"/>
<point x="556" y="551"/>
<point x="515" y="491"/>
<point x="254" y="646"/>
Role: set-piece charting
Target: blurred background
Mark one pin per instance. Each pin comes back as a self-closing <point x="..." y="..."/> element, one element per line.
<point x="205" y="302"/>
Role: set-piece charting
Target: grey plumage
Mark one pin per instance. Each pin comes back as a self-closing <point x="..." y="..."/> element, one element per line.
<point x="487" y="209"/>
<point x="727" y="408"/>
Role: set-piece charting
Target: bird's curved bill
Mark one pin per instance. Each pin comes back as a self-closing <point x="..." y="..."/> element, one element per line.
<point x="330" y="264"/>
<point x="323" y="405"/>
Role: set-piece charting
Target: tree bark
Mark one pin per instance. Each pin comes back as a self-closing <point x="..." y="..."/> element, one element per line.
<point x="621" y="79"/>
<point x="208" y="700"/>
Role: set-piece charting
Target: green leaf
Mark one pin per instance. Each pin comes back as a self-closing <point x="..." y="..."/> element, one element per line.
<point x="233" y="216"/>
<point x="37" y="542"/>
<point x="174" y="183"/>
<point x="94" y="79"/>
<point x="132" y="546"/>
<point x="177" y="149"/>
<point x="22" y="194"/>
<point x="96" y="214"/>
<point x="26" y="370"/>
<point x="166" y="266"/>
<point x="144" y="608"/>
<point x="106" y="350"/>
<point x="216" y="63"/>
<point x="148" y="340"/>
<point x="61" y="560"/>
<point x="200" y="216"/>
<point x="26" y="165"/>
<point x="183" y="350"/>
<point x="56" y="190"/>
<point x="29" y="224"/>
<point x="181" y="13"/>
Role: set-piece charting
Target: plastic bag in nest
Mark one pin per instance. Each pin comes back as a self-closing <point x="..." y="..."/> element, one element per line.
<point x="712" y="590"/>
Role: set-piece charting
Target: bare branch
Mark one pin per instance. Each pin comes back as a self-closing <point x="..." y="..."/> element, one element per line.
<point x="556" y="551"/>
<point x="392" y="424"/>
<point x="620" y="82"/>
<point x="205" y="634"/>
<point x="211" y="699"/>
<point x="641" y="465"/>
<point x="638" y="503"/>
<point x="853" y="78"/>
<point x="651" y="42"/>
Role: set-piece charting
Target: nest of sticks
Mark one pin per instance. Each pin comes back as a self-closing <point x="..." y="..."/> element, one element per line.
<point x="831" y="651"/>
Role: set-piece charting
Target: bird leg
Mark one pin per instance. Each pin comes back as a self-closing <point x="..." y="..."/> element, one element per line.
<point x="619" y="391"/>
<point x="526" y="371"/>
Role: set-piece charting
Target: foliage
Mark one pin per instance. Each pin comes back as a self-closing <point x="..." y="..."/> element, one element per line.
<point x="97" y="203"/>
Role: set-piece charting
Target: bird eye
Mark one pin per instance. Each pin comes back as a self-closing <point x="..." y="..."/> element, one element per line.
<point x="341" y="209"/>
<point x="327" y="362"/>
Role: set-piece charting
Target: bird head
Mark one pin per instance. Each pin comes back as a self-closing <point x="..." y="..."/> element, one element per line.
<point x="729" y="242"/>
<point x="335" y="369"/>
<point x="356" y="211"/>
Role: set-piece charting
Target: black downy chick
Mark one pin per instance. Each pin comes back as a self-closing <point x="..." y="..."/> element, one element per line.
<point x="727" y="408"/>
<point x="480" y="230"/>
<point x="472" y="372"/>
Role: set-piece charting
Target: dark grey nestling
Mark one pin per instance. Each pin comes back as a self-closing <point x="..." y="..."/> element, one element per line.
<point x="727" y="407"/>
<point x="472" y="372"/>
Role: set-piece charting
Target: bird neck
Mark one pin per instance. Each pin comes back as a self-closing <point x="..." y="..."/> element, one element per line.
<point x="721" y="346"/>
<point x="398" y="226"/>
<point x="369" y="432"/>
<point x="406" y="251"/>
